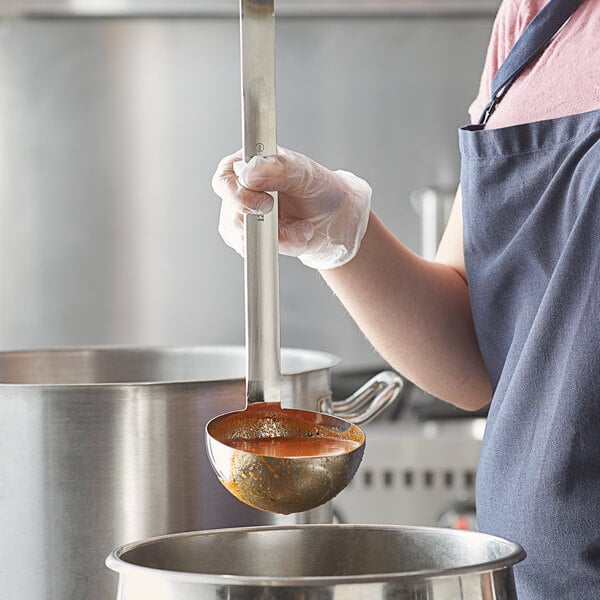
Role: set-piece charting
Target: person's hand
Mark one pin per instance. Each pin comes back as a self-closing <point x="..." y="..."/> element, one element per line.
<point x="323" y="214"/>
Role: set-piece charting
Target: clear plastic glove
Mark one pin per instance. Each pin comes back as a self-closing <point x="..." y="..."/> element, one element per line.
<point x="323" y="214"/>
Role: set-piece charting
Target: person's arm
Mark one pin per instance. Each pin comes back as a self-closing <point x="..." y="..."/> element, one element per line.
<point x="417" y="313"/>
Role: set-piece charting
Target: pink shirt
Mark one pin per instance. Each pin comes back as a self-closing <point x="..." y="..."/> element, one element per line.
<point x="564" y="80"/>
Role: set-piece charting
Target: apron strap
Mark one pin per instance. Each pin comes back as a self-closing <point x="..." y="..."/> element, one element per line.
<point x="532" y="42"/>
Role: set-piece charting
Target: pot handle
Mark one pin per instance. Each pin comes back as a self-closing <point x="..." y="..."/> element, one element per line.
<point x="369" y="400"/>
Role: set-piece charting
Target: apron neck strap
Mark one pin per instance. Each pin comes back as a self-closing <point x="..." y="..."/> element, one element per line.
<point x="532" y="42"/>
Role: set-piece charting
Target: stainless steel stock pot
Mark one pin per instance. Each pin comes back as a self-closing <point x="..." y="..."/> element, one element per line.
<point x="101" y="446"/>
<point x="318" y="562"/>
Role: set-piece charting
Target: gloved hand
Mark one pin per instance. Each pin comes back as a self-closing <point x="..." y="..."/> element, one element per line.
<point x="323" y="214"/>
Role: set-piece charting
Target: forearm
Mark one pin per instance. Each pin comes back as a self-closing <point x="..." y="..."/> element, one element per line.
<point x="416" y="314"/>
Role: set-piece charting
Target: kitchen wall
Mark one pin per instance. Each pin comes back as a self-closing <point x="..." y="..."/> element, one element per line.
<point x="110" y="130"/>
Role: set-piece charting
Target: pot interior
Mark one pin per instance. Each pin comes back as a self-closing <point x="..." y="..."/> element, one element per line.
<point x="339" y="551"/>
<point x="143" y="365"/>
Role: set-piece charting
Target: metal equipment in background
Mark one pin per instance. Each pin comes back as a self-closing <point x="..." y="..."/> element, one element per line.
<point x="192" y="8"/>
<point x="101" y="446"/>
<point x="420" y="461"/>
<point x="114" y="113"/>
<point x="433" y="207"/>
<point x="416" y="473"/>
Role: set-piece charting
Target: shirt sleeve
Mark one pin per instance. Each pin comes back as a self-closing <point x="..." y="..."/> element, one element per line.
<point x="511" y="20"/>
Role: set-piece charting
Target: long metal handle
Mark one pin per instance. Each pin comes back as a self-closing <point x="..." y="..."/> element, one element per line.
<point x="257" y="32"/>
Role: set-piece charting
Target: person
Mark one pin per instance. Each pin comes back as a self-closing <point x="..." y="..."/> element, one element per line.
<point x="509" y="310"/>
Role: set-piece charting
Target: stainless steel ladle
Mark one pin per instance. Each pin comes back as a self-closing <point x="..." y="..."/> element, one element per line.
<point x="281" y="484"/>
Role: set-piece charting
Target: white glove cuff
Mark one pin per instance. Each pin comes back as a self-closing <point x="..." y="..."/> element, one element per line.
<point x="337" y="239"/>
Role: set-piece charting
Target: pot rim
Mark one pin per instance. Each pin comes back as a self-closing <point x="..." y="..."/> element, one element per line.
<point x="328" y="361"/>
<point x="515" y="553"/>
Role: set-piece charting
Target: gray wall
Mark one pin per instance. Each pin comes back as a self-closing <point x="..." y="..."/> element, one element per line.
<point x="110" y="131"/>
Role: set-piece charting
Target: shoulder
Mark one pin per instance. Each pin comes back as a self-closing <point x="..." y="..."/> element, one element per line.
<point x="560" y="81"/>
<point x="514" y="16"/>
<point x="511" y="21"/>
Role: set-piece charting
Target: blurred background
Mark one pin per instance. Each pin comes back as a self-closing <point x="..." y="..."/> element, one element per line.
<point x="113" y="117"/>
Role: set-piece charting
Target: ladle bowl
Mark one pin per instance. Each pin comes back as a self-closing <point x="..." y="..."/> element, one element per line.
<point x="283" y="460"/>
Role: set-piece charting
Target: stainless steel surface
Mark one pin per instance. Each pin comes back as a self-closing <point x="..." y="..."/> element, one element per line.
<point x="415" y="473"/>
<point x="433" y="207"/>
<point x="327" y="562"/>
<point x="261" y="276"/>
<point x="282" y="484"/>
<point x="257" y="42"/>
<point x="100" y="446"/>
<point x="229" y="7"/>
<point x="370" y="400"/>
<point x="110" y="131"/>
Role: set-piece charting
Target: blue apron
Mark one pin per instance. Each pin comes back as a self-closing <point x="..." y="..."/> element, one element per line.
<point x="531" y="216"/>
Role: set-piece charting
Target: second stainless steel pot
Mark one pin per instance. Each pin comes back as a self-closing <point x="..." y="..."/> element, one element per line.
<point x="319" y="562"/>
<point x="100" y="446"/>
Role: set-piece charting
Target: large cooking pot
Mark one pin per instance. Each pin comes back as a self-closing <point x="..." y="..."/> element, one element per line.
<point x="101" y="446"/>
<point x="318" y="562"/>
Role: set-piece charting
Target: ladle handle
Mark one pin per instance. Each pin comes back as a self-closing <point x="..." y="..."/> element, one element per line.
<point x="262" y="310"/>
<point x="263" y="370"/>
